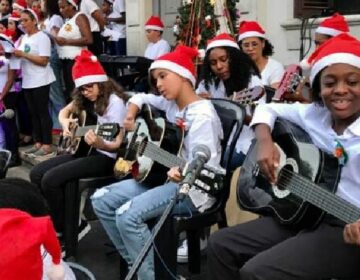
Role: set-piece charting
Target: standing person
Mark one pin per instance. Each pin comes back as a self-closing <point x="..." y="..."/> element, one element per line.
<point x="97" y="24"/>
<point x="99" y="95"/>
<point x="252" y="40"/>
<point x="115" y="21"/>
<point x="157" y="46"/>
<point x="52" y="23"/>
<point x="330" y="27"/>
<point x="34" y="51"/>
<point x="73" y="36"/>
<point x="124" y="207"/>
<point x="9" y="96"/>
<point x="264" y="248"/>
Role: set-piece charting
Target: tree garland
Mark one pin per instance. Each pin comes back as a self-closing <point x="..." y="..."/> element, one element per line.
<point x="197" y="22"/>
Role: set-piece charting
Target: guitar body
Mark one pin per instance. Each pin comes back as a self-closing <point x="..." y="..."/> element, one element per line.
<point x="159" y="132"/>
<point x="76" y="145"/>
<point x="300" y="156"/>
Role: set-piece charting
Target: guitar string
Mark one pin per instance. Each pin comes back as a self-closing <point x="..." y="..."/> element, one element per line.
<point x="328" y="199"/>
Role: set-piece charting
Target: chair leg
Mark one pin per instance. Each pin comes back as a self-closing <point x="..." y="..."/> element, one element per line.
<point x="194" y="253"/>
<point x="124" y="269"/>
<point x="71" y="223"/>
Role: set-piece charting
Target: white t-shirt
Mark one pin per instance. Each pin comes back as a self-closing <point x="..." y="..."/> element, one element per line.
<point x="14" y="64"/>
<point x="316" y="121"/>
<point x="118" y="9"/>
<point x="154" y="50"/>
<point x="272" y="73"/>
<point x="88" y="7"/>
<point x="54" y="21"/>
<point x="34" y="75"/>
<point x="244" y="141"/>
<point x="115" y="113"/>
<point x="203" y="126"/>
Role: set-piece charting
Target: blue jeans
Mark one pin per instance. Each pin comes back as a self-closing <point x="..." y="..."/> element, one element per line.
<point x="123" y="209"/>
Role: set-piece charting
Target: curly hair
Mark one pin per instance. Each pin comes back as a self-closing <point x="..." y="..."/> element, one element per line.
<point x="241" y="67"/>
<point x="99" y="106"/>
<point x="52" y="8"/>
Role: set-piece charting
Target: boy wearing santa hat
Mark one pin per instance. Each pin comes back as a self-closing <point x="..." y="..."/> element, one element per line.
<point x="124" y="207"/>
<point x="267" y="249"/>
<point x="157" y="46"/>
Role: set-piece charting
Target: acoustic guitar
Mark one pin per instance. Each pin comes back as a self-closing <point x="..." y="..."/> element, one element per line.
<point x="307" y="180"/>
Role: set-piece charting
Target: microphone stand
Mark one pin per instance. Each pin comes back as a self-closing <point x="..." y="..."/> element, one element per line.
<point x="145" y="250"/>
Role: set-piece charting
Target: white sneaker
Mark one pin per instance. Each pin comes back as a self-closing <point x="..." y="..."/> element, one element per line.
<point x="182" y="251"/>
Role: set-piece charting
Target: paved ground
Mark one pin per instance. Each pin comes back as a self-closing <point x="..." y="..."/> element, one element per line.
<point x="93" y="253"/>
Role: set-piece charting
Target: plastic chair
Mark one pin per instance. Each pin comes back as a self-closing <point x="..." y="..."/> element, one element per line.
<point x="5" y="156"/>
<point x="232" y="117"/>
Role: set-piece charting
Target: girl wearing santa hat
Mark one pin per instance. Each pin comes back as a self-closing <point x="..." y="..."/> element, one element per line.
<point x="98" y="95"/>
<point x="264" y="248"/>
<point x="252" y="40"/>
<point x="124" y="207"/>
<point x="226" y="69"/>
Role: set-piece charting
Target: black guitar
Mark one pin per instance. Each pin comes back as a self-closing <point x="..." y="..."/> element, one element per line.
<point x="75" y="144"/>
<point x="153" y="148"/>
<point x="307" y="179"/>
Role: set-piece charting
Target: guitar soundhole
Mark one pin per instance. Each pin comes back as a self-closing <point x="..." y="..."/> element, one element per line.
<point x="284" y="177"/>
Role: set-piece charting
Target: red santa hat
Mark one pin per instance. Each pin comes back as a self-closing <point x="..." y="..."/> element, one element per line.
<point x="15" y="16"/>
<point x="75" y="3"/>
<point x="180" y="61"/>
<point x="19" y="4"/>
<point x="21" y="237"/>
<point x="87" y="69"/>
<point x="154" y="23"/>
<point x="250" y="29"/>
<point x="339" y="49"/>
<point x="333" y="26"/>
<point x="222" y="40"/>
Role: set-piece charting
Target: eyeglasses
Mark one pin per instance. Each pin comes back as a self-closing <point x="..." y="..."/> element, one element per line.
<point x="86" y="87"/>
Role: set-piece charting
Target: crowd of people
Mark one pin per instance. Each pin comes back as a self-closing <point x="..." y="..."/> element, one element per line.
<point x="52" y="64"/>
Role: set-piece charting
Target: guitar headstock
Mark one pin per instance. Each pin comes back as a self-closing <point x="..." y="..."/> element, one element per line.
<point x="248" y="96"/>
<point x="108" y="131"/>
<point x="289" y="84"/>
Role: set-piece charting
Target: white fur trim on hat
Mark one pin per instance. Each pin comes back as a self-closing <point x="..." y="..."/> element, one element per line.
<point x="17" y="6"/>
<point x="153" y="27"/>
<point x="72" y="2"/>
<point x="250" y="34"/>
<point x="328" y="31"/>
<point x="222" y="43"/>
<point x="84" y="80"/>
<point x="347" y="58"/>
<point x="174" y="67"/>
<point x="304" y="64"/>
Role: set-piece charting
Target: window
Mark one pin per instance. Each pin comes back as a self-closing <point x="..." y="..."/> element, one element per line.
<point x="310" y="8"/>
<point x="313" y="8"/>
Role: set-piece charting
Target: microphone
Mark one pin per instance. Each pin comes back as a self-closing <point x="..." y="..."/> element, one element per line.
<point x="201" y="155"/>
<point x="7" y="114"/>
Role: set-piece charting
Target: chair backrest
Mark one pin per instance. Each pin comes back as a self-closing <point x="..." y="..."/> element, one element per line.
<point x="5" y="156"/>
<point x="232" y="116"/>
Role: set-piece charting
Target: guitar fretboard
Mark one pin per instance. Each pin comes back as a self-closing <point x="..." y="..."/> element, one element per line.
<point x="81" y="130"/>
<point x="161" y="156"/>
<point x="318" y="196"/>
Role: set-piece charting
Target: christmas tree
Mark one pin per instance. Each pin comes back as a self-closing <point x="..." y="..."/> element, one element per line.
<point x="200" y="20"/>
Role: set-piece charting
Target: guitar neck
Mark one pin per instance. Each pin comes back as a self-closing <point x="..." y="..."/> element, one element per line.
<point x="323" y="199"/>
<point x="81" y="130"/>
<point x="163" y="157"/>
